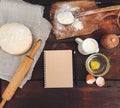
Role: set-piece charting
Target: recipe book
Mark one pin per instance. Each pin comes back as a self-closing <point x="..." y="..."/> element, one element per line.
<point x="58" y="69"/>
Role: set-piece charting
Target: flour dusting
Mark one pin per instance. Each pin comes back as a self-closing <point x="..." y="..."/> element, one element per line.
<point x="77" y="25"/>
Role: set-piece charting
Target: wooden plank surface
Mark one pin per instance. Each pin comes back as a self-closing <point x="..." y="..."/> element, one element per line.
<point x="33" y="95"/>
<point x="93" y="97"/>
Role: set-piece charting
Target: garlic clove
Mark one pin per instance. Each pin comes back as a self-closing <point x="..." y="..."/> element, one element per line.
<point x="90" y="79"/>
<point x="100" y="81"/>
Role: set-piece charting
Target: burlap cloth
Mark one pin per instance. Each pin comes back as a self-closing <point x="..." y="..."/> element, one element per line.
<point x="30" y="15"/>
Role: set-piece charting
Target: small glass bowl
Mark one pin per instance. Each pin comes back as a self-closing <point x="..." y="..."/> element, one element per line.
<point x="100" y="65"/>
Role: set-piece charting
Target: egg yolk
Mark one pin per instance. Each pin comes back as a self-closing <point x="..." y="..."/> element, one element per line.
<point x="95" y="64"/>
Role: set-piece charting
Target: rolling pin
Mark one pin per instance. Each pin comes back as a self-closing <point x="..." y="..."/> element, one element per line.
<point x="19" y="75"/>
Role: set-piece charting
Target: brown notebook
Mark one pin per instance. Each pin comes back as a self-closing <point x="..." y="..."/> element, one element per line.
<point x="58" y="69"/>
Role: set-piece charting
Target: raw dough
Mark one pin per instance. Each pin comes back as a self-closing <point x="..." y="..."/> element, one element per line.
<point x="15" y="38"/>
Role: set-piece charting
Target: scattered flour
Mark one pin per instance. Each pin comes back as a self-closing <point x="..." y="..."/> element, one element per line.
<point x="74" y="8"/>
<point x="77" y="25"/>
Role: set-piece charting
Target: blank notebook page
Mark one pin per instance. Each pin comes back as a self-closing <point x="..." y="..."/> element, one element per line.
<point x="58" y="69"/>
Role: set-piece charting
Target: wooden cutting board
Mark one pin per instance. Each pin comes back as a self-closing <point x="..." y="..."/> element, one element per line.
<point x="90" y="23"/>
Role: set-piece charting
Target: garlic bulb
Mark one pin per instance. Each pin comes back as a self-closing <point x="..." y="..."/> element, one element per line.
<point x="110" y="41"/>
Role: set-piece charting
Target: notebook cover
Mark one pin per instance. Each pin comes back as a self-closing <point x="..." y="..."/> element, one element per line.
<point x="58" y="69"/>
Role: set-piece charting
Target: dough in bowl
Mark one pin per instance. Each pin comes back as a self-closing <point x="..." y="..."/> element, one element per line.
<point x="15" y="38"/>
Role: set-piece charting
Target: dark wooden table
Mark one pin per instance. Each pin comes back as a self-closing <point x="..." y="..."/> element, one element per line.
<point x="34" y="95"/>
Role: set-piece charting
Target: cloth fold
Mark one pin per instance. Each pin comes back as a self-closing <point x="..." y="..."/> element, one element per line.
<point x="32" y="16"/>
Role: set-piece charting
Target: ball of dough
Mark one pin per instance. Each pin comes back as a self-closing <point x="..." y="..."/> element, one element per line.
<point x="15" y="38"/>
<point x="65" y="18"/>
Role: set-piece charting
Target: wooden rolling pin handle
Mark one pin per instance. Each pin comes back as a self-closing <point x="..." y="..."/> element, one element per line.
<point x="36" y="47"/>
<point x="2" y="103"/>
<point x="19" y="75"/>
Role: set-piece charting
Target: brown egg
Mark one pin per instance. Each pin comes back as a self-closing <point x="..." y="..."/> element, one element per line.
<point x="110" y="41"/>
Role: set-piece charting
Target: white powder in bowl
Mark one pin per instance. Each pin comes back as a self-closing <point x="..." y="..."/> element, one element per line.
<point x="65" y="18"/>
<point x="65" y="8"/>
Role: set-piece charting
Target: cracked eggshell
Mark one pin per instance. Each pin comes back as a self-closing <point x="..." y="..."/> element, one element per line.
<point x="90" y="79"/>
<point x="100" y="81"/>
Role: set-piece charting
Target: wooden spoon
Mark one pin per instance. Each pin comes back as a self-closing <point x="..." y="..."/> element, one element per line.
<point x="72" y="17"/>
